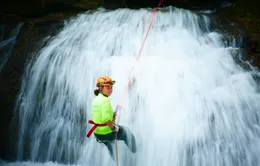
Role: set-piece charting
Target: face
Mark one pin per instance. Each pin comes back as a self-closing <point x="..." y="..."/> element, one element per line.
<point x="107" y="90"/>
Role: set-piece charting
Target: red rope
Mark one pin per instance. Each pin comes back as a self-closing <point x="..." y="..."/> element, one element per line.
<point x="138" y="57"/>
<point x="131" y="74"/>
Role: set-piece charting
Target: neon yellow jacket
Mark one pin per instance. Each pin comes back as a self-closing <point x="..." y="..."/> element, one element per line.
<point x="102" y="111"/>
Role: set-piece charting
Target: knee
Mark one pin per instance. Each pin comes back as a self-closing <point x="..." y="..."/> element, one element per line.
<point x="123" y="129"/>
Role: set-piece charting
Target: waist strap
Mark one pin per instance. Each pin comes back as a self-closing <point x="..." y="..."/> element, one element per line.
<point x="94" y="127"/>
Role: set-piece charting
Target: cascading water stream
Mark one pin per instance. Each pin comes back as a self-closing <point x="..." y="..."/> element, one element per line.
<point x="189" y="103"/>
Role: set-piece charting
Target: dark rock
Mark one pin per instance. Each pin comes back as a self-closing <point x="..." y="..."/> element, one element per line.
<point x="252" y="50"/>
<point x="247" y="14"/>
<point x="253" y="46"/>
<point x="33" y="35"/>
<point x="32" y="8"/>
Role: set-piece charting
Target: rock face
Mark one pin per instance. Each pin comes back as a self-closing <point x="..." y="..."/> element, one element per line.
<point x="41" y="7"/>
<point x="43" y="18"/>
<point x="247" y="13"/>
<point x="32" y="36"/>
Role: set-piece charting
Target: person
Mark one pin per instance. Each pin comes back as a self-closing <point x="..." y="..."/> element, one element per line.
<point x="105" y="129"/>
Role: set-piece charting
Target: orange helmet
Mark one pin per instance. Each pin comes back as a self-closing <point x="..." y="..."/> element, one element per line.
<point x="105" y="81"/>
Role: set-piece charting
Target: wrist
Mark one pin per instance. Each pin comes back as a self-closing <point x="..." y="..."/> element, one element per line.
<point x="115" y="128"/>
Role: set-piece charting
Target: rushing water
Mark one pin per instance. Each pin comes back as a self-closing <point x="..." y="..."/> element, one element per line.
<point x="189" y="103"/>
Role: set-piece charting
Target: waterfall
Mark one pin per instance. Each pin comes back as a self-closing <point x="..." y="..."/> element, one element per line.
<point x="189" y="103"/>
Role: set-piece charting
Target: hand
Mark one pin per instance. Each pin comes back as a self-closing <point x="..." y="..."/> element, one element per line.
<point x="114" y="118"/>
<point x="110" y="124"/>
<point x="118" y="108"/>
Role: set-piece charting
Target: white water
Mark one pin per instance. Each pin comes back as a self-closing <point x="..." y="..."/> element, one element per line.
<point x="189" y="103"/>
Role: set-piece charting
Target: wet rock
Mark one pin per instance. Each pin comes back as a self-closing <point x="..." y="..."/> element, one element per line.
<point x="2" y="161"/>
<point x="247" y="14"/>
<point x="252" y="48"/>
<point x="33" y="35"/>
<point x="43" y="7"/>
<point x="36" y="8"/>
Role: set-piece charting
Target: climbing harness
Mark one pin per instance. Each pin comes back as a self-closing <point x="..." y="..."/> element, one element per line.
<point x="95" y="126"/>
<point x="118" y="107"/>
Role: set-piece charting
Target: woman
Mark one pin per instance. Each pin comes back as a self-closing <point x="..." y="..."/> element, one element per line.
<point x="103" y="117"/>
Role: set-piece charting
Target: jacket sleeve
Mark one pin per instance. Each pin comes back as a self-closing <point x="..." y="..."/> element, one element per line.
<point x="106" y="111"/>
